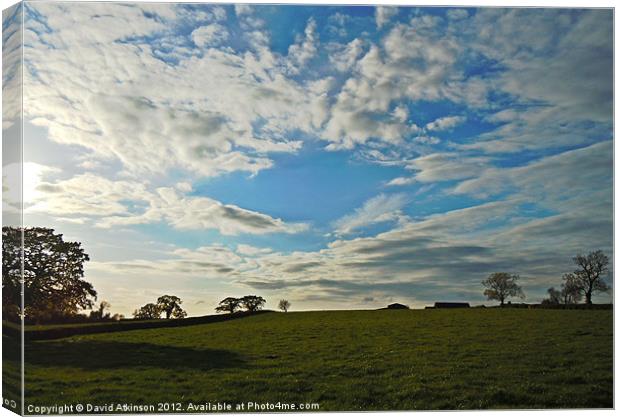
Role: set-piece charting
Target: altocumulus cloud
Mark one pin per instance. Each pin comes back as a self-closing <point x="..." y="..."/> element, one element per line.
<point x="159" y="102"/>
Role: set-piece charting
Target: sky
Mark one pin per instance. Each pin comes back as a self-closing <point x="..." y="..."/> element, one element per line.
<point x="337" y="157"/>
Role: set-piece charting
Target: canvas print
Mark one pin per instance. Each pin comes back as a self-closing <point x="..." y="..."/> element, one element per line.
<point x="302" y="208"/>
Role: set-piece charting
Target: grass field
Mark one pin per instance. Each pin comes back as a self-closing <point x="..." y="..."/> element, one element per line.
<point x="344" y="360"/>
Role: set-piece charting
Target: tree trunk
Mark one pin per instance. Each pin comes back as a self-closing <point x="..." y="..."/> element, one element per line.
<point x="589" y="297"/>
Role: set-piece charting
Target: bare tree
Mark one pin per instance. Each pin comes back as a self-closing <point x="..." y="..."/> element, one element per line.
<point x="502" y="285"/>
<point x="589" y="275"/>
<point x="555" y="296"/>
<point x="571" y="292"/>
<point x="284" y="305"/>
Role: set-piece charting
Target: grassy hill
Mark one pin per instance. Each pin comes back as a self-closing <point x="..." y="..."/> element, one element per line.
<point x="342" y="360"/>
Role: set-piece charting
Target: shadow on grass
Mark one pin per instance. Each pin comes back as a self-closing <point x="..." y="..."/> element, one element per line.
<point x="91" y="355"/>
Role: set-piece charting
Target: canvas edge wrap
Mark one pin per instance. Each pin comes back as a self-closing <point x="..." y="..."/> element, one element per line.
<point x="12" y="201"/>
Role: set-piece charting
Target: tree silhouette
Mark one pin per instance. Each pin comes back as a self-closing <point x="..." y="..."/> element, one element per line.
<point x="148" y="311"/>
<point x="53" y="274"/>
<point x="253" y="302"/>
<point x="571" y="292"/>
<point x="284" y="305"/>
<point x="228" y="305"/>
<point x="171" y="306"/>
<point x="100" y="312"/>
<point x="589" y="275"/>
<point x="103" y="306"/>
<point x="555" y="297"/>
<point x="502" y="285"/>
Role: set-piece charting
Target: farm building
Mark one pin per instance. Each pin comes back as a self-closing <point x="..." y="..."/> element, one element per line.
<point x="450" y="305"/>
<point x="396" y="306"/>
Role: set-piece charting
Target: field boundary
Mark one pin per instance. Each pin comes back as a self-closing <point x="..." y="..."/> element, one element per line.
<point x="121" y="326"/>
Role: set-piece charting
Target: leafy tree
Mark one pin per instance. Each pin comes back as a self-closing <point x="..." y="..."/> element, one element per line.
<point x="253" y="302"/>
<point x="53" y="274"/>
<point x="228" y="305"/>
<point x="571" y="293"/>
<point x="148" y="311"/>
<point x="502" y="285"/>
<point x="555" y="297"/>
<point x="589" y="275"/>
<point x="171" y="305"/>
<point x="284" y="305"/>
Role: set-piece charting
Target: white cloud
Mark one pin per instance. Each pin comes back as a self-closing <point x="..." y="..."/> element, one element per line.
<point x="445" y="123"/>
<point x="427" y="140"/>
<point x="344" y="57"/>
<point x="86" y="194"/>
<point x="447" y="166"/>
<point x="213" y="254"/>
<point x="401" y="181"/>
<point x="563" y="84"/>
<point x="20" y="184"/>
<point x="195" y="213"/>
<point x="243" y="9"/>
<point x="412" y="62"/>
<point x="248" y="250"/>
<point x="304" y="49"/>
<point x="552" y="180"/>
<point x="210" y="35"/>
<point x="184" y="187"/>
<point x="457" y="14"/>
<point x="201" y="113"/>
<point x="219" y="13"/>
<point x="401" y="113"/>
<point x="11" y="65"/>
<point x="338" y="23"/>
<point x="379" y="209"/>
<point x="383" y="14"/>
<point x="110" y="203"/>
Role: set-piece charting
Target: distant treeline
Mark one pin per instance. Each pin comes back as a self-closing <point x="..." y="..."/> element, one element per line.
<point x="60" y="331"/>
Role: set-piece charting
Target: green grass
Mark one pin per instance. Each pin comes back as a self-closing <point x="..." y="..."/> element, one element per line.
<point x="345" y="360"/>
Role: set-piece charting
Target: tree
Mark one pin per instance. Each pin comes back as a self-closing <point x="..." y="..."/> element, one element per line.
<point x="284" y="305"/>
<point x="171" y="305"/>
<point x="99" y="313"/>
<point x="53" y="274"/>
<point x="253" y="302"/>
<point x="148" y="311"/>
<point x="589" y="275"/>
<point x="103" y="306"/>
<point x="571" y="294"/>
<point x="502" y="285"/>
<point x="554" y="297"/>
<point x="228" y="305"/>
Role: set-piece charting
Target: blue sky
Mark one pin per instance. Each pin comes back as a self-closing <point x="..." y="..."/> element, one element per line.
<point x="340" y="157"/>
